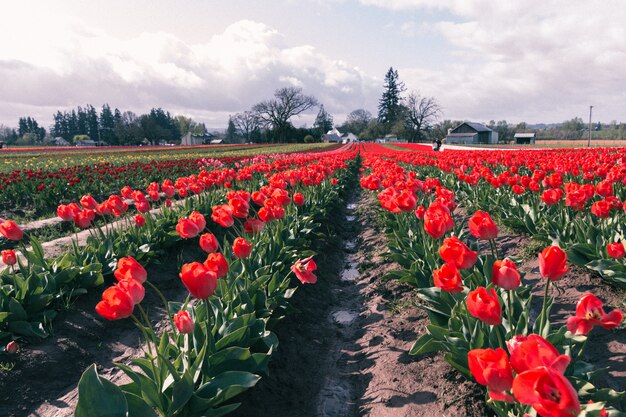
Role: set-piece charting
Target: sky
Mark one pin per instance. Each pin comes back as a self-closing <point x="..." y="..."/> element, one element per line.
<point x="515" y="60"/>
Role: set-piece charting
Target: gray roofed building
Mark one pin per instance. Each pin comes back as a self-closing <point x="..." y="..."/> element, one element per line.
<point x="525" y="138"/>
<point x="472" y="133"/>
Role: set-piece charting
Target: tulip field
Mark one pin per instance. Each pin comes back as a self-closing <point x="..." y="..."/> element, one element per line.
<point x="198" y="259"/>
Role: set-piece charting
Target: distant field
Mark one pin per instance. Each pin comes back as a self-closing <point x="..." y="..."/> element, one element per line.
<point x="555" y="144"/>
<point x="580" y="143"/>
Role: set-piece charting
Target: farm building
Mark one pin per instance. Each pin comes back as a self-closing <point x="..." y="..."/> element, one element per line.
<point x="524" y="138"/>
<point x="349" y="137"/>
<point x="57" y="141"/>
<point x="471" y="133"/>
<point x="332" y="136"/>
<point x="193" y="139"/>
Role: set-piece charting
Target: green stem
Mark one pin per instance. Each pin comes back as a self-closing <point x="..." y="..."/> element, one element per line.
<point x="142" y="328"/>
<point x="494" y="248"/>
<point x="165" y="304"/>
<point x="152" y="332"/>
<point x="499" y="335"/>
<point x="478" y="279"/>
<point x="544" y="313"/>
<point x="511" y="312"/>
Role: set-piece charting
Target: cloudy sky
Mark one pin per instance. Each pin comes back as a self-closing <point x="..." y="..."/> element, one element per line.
<point x="519" y="60"/>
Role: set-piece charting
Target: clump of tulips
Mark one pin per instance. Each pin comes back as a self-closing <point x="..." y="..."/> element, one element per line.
<point x="217" y="341"/>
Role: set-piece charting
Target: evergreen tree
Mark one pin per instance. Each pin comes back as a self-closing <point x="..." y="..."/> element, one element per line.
<point x="107" y="126"/>
<point x="231" y="131"/>
<point x="323" y="121"/>
<point x="389" y="107"/>
<point x="92" y="123"/>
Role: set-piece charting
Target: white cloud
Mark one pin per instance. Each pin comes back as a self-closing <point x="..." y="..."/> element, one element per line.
<point x="537" y="60"/>
<point x="229" y="73"/>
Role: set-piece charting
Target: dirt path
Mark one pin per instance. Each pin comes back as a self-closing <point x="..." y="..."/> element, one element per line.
<point x="347" y="350"/>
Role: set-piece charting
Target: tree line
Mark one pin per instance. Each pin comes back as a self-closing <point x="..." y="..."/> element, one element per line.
<point x="412" y="117"/>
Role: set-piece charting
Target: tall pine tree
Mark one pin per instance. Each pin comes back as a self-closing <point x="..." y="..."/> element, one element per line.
<point x="389" y="107"/>
<point x="323" y="121"/>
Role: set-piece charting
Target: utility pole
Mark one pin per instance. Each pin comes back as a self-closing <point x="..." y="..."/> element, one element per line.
<point x="589" y="140"/>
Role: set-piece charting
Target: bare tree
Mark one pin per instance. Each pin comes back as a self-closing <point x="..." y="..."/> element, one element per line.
<point x="422" y="112"/>
<point x="287" y="102"/>
<point x="246" y="123"/>
<point x="357" y="121"/>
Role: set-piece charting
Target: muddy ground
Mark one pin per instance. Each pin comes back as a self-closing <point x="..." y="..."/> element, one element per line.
<point x="343" y="352"/>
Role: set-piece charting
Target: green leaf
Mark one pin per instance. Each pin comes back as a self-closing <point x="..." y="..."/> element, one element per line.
<point x="138" y="407"/>
<point x="99" y="397"/>
<point x="425" y="344"/>
<point x="181" y="393"/>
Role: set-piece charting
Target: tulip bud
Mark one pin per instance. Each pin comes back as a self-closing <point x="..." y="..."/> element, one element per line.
<point x="12" y="347"/>
<point x="183" y="322"/>
<point x="9" y="257"/>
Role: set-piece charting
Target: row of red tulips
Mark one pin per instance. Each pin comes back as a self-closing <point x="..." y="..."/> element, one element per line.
<point x="480" y="310"/>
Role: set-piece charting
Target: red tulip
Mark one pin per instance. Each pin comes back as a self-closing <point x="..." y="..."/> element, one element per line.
<point x="601" y="209"/>
<point x="448" y="278"/>
<point x="253" y="226"/>
<point x="241" y="248"/>
<point x="154" y="195"/>
<point x="485" y="305"/>
<point x="88" y="202"/>
<point x="616" y="250"/>
<point x="482" y="226"/>
<point x="548" y="391"/>
<point x="183" y="322"/>
<point x="419" y="212"/>
<point x="217" y="263"/>
<point x="140" y="221"/>
<point x="129" y="268"/>
<point x="304" y="270"/>
<point x="258" y="197"/>
<point x="533" y="351"/>
<point x="281" y="197"/>
<point x="116" y="304"/>
<point x="265" y="214"/>
<point x="604" y="188"/>
<point x="187" y="228"/>
<point x="491" y="368"/>
<point x="505" y="274"/>
<point x="9" y="257"/>
<point x="453" y="251"/>
<point x="133" y="288"/>
<point x="66" y="212"/>
<point x="437" y="221"/>
<point x="298" y="199"/>
<point x="552" y="263"/>
<point x="222" y="215"/>
<point x="552" y="196"/>
<point x="126" y="192"/>
<point x="142" y="206"/>
<point x="200" y="281"/>
<point x="239" y="207"/>
<point x="406" y="201"/>
<point x="10" y="230"/>
<point x="198" y="219"/>
<point x="589" y="313"/>
<point x="209" y="243"/>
